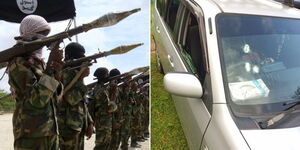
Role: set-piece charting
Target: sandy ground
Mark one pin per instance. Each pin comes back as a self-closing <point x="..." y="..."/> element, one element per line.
<point x="6" y="136"/>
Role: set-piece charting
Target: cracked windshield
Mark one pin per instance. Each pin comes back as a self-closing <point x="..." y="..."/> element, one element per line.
<point x="261" y="58"/>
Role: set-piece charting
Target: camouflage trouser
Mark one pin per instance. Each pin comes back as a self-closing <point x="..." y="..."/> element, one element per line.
<point x="135" y="123"/>
<point x="40" y="143"/>
<point x="146" y="122"/>
<point x="81" y="140"/>
<point x="116" y="139"/>
<point x="115" y="133"/>
<point x="135" y="128"/>
<point x="125" y="132"/>
<point x="141" y="125"/>
<point x="103" y="138"/>
<point x="103" y="125"/>
<point x="69" y="141"/>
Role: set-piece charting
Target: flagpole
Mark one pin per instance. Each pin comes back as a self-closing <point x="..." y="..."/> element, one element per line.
<point x="76" y="36"/>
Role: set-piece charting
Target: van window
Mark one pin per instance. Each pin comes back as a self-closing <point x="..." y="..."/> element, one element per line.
<point x="190" y="43"/>
<point x="161" y="6"/>
<point x="172" y="13"/>
<point x="168" y="11"/>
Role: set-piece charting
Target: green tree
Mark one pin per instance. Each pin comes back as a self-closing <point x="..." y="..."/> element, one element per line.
<point x="6" y="102"/>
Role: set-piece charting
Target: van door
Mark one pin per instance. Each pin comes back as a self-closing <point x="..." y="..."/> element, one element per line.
<point x="190" y="46"/>
<point x="165" y="18"/>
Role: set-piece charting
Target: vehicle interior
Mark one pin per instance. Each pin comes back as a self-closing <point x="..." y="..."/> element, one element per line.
<point x="192" y="46"/>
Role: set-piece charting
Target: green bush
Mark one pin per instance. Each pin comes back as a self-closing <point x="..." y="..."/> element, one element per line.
<point x="6" y="102"/>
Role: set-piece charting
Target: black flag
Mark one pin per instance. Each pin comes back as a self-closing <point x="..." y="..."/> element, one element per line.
<point x="51" y="10"/>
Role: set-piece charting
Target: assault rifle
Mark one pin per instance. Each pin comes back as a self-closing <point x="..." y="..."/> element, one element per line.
<point x="23" y="48"/>
<point x="118" y="50"/>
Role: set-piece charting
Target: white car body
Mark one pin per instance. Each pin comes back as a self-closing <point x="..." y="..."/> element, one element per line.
<point x="215" y="128"/>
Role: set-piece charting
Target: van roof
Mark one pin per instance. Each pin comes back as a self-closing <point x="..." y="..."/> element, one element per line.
<point x="257" y="7"/>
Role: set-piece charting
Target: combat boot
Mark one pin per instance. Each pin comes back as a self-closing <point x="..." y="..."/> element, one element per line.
<point x="124" y="148"/>
<point x="145" y="139"/>
<point x="146" y="135"/>
<point x="134" y="144"/>
<point x="140" y="139"/>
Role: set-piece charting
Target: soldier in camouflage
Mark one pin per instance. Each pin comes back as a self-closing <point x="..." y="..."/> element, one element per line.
<point x="141" y="110"/>
<point x="102" y="110"/>
<point x="34" y="88"/>
<point x="146" y="108"/>
<point x="117" y="118"/>
<point x="136" y="119"/>
<point x="73" y="118"/>
<point x="143" y="130"/>
<point x="126" y="96"/>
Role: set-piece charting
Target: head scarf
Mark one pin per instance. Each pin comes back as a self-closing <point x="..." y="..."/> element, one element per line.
<point x="32" y="24"/>
<point x="29" y="28"/>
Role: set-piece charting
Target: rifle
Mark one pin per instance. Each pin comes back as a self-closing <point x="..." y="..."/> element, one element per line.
<point x="23" y="48"/>
<point x="124" y="75"/>
<point x="118" y="50"/>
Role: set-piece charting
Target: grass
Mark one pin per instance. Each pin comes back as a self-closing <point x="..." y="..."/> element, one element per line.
<point x="166" y="130"/>
<point x="6" y="104"/>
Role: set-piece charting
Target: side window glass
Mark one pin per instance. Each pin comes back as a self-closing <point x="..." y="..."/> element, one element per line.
<point x="192" y="51"/>
<point x="162" y="7"/>
<point x="171" y="14"/>
<point x="191" y="46"/>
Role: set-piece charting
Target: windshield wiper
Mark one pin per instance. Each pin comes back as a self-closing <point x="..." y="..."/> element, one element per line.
<point x="276" y="119"/>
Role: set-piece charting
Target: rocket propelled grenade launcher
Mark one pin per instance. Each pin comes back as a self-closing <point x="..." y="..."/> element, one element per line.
<point x="130" y="73"/>
<point x="23" y="48"/>
<point x="136" y="78"/>
<point x="137" y="71"/>
<point x="116" y="51"/>
<point x="124" y="75"/>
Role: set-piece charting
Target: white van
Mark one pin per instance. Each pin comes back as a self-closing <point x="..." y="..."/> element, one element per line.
<point x="233" y="69"/>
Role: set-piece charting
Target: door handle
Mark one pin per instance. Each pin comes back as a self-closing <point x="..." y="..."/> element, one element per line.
<point x="157" y="29"/>
<point x="171" y="60"/>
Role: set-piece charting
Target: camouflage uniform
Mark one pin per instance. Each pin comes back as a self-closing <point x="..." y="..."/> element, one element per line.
<point x="102" y="118"/>
<point x="142" y="115"/>
<point x="136" y="117"/>
<point x="117" y="120"/>
<point x="88" y="121"/>
<point x="146" y="112"/>
<point x="127" y="107"/>
<point x="73" y="116"/>
<point x="34" y="119"/>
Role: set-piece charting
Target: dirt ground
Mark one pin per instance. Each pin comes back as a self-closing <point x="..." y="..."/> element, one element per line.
<point x="6" y="138"/>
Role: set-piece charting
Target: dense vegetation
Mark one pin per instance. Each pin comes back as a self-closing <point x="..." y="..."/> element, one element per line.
<point x="6" y="102"/>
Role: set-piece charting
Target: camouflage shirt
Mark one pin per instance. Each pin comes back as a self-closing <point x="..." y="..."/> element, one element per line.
<point x="33" y="91"/>
<point x="127" y="100"/>
<point x="72" y="113"/>
<point x="101" y="109"/>
<point x="118" y="114"/>
<point x="101" y="97"/>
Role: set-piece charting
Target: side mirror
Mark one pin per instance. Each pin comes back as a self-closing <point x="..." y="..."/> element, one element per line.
<point x="183" y="84"/>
